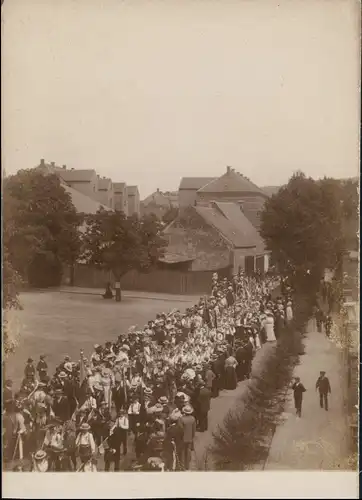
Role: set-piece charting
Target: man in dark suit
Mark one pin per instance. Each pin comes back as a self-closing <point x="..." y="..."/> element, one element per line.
<point x="204" y="398"/>
<point x="187" y="425"/>
<point x="324" y="388"/>
<point x="298" y="389"/>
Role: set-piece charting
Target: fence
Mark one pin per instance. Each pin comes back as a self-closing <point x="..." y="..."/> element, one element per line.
<point x="159" y="280"/>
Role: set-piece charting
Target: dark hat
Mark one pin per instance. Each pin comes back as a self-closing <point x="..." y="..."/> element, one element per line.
<point x="30" y="360"/>
<point x="322" y="373"/>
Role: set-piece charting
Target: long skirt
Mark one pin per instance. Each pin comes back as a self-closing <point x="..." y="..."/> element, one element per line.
<point x="230" y="378"/>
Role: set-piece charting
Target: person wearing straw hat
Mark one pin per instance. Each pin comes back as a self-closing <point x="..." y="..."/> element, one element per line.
<point x="54" y="443"/>
<point x="85" y="445"/>
<point x="120" y="431"/>
<point x="40" y="462"/>
<point x="187" y="424"/>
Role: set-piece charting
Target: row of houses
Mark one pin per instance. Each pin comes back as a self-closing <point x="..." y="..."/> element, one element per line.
<point x="90" y="191"/>
<point x="215" y="228"/>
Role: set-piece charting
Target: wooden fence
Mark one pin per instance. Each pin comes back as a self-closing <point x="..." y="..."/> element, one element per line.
<point x="158" y="281"/>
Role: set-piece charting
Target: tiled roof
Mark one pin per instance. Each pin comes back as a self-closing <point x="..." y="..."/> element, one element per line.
<point x="231" y="182"/>
<point x="76" y="175"/>
<point x="195" y="182"/>
<point x="161" y="199"/>
<point x="232" y="224"/>
<point x="247" y="230"/>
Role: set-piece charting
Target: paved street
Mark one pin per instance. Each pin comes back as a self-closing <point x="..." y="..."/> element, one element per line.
<point x="318" y="440"/>
<point x="57" y="324"/>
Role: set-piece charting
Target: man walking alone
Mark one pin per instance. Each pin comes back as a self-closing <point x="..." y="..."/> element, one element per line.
<point x="324" y="388"/>
<point x="298" y="389"/>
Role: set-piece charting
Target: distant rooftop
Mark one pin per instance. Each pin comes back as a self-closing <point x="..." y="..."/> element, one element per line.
<point x="75" y="175"/>
<point x="231" y="182"/>
<point x="195" y="182"/>
<point x="119" y="187"/>
<point x="132" y="190"/>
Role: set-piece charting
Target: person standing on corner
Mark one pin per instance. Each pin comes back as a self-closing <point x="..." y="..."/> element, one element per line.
<point x="298" y="389"/>
<point x="187" y="424"/>
<point x="324" y="388"/>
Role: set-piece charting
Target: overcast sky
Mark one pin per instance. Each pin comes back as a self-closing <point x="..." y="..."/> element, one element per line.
<point x="146" y="92"/>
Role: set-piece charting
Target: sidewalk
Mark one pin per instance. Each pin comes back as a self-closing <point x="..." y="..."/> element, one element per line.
<point x="318" y="440"/>
<point x="220" y="406"/>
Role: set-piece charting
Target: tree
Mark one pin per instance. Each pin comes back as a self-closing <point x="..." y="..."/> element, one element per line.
<point x="41" y="226"/>
<point x="170" y="215"/>
<point x="118" y="243"/>
<point x="11" y="283"/>
<point x="302" y="226"/>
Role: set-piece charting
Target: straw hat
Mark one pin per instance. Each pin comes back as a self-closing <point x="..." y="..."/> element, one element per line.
<point x="148" y="391"/>
<point x="84" y="427"/>
<point x="187" y="410"/>
<point x="62" y="375"/>
<point x="163" y="400"/>
<point x="40" y="455"/>
<point x="175" y="415"/>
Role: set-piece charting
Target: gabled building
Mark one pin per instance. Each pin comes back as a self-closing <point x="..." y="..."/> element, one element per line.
<point x="215" y="236"/>
<point x="82" y="202"/>
<point x="85" y="181"/>
<point x="230" y="187"/>
<point x="187" y="191"/>
<point x="159" y="203"/>
<point x="114" y="196"/>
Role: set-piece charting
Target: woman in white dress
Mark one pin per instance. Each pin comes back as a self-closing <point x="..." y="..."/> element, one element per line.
<point x="289" y="311"/>
<point x="269" y="327"/>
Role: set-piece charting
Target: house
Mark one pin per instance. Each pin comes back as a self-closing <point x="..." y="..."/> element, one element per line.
<point x="133" y="199"/>
<point x="230" y="187"/>
<point x="159" y="203"/>
<point x="105" y="191"/>
<point x="85" y="181"/>
<point x="82" y="202"/>
<point x="188" y="189"/>
<point x="215" y="236"/>
<point x="120" y="197"/>
<point x="115" y="196"/>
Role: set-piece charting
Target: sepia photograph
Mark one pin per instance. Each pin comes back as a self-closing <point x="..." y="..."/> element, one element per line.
<point x="180" y="245"/>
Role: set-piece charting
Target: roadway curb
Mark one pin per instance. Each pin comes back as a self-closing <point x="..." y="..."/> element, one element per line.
<point x="125" y="294"/>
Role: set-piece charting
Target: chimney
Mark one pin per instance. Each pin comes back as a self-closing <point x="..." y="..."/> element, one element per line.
<point x="158" y="190"/>
<point x="228" y="169"/>
<point x="52" y="163"/>
<point x="64" y="167"/>
<point x="42" y="161"/>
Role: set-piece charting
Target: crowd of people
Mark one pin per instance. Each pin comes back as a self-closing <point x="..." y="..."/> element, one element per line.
<point x="148" y="392"/>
